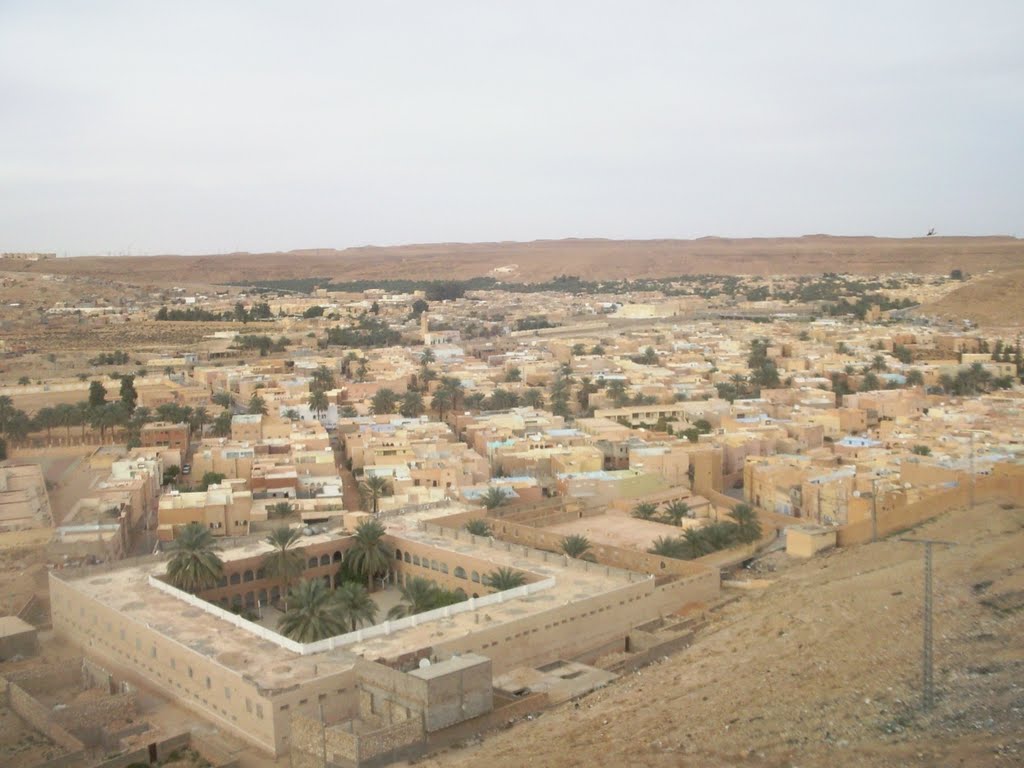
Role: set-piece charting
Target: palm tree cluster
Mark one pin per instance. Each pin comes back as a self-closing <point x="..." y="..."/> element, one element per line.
<point x="420" y="595"/>
<point x="315" y="611"/>
<point x="447" y="397"/>
<point x="972" y="381"/>
<point x="100" y="416"/>
<point x="673" y="513"/>
<point x="744" y="528"/>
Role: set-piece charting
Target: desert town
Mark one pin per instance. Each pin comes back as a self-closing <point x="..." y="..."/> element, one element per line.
<point x="320" y="522"/>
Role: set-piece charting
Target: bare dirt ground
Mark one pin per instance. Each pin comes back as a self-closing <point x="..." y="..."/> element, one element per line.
<point x="21" y="746"/>
<point x="822" y="668"/>
<point x="544" y="259"/>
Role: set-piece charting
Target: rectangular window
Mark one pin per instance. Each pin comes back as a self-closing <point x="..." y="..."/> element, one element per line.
<point x="227" y="692"/>
<point x="259" y="711"/>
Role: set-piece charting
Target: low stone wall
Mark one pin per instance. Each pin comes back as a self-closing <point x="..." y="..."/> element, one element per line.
<point x="88" y="719"/>
<point x="163" y="749"/>
<point x="313" y="745"/>
<point x="38" y="716"/>
<point x="513" y="710"/>
<point x="391" y="743"/>
<point x="48" y="679"/>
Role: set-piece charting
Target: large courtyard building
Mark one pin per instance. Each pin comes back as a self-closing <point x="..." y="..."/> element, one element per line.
<point x="244" y="677"/>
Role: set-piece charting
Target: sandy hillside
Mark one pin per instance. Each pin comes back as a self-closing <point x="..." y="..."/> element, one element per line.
<point x="820" y="669"/>
<point x="595" y="259"/>
<point x="990" y="299"/>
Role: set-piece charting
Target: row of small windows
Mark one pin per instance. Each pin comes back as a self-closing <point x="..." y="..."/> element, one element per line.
<point x="434" y="565"/>
<point x="171" y="662"/>
<point x="256" y="575"/>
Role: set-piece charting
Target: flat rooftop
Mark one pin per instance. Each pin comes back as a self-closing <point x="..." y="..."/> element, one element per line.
<point x="127" y="590"/>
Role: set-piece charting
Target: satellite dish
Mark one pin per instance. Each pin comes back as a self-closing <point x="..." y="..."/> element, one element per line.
<point x="424" y="663"/>
<point x="856" y="494"/>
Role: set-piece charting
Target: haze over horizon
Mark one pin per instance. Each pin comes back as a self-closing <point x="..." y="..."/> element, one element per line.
<point x="250" y="126"/>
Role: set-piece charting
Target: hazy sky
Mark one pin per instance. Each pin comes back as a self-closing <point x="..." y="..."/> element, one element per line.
<point x="198" y="127"/>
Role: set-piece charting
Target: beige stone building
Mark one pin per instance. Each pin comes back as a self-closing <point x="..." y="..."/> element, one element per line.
<point x="222" y="509"/>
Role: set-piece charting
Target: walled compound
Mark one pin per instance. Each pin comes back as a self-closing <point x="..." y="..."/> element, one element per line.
<point x="378" y="690"/>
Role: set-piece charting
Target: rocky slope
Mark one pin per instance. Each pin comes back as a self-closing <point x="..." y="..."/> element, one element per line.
<point x="822" y="668"/>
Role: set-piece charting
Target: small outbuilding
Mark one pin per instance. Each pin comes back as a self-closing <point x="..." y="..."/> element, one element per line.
<point x="809" y="540"/>
<point x="17" y="638"/>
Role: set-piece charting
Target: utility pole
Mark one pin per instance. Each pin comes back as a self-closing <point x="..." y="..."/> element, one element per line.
<point x="972" y="469"/>
<point x="928" y="693"/>
<point x="874" y="509"/>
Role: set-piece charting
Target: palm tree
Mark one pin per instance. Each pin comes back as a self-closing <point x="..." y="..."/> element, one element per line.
<point x="479" y="527"/>
<point x="493" y="498"/>
<point x="67" y="417"/>
<point x="578" y="546"/>
<point x="318" y="402"/>
<point x="667" y="546"/>
<point x="645" y="510"/>
<point x="503" y="578"/>
<point x="46" y="418"/>
<point x="313" y="613"/>
<point x="356" y="604"/>
<point x="6" y="410"/>
<point x="427" y="357"/>
<point x="696" y="545"/>
<point x="372" y="489"/>
<point x="441" y="402"/>
<point x="385" y="401"/>
<point x="286" y="562"/>
<point x="747" y="522"/>
<point x="676" y="511"/>
<point x="195" y="565"/>
<point x="323" y="378"/>
<point x="533" y="397"/>
<point x="83" y="412"/>
<point x="720" y="535"/>
<point x="222" y="424"/>
<point x="223" y="399"/>
<point x="198" y="421"/>
<point x="412" y="404"/>
<point x="367" y="555"/>
<point x="257" y="405"/>
<point x="418" y="595"/>
<point x="291" y="414"/>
